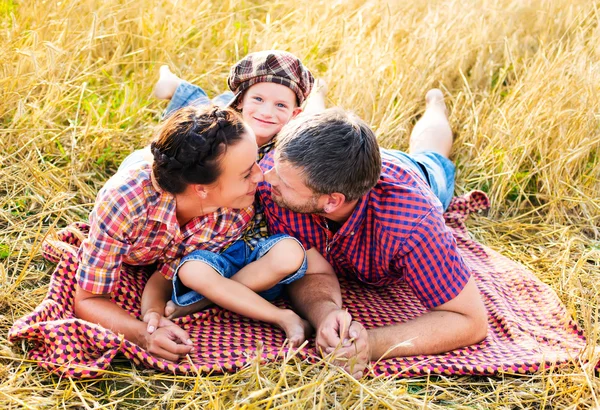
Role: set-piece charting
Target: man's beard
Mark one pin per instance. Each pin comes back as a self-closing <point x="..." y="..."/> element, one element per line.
<point x="310" y="207"/>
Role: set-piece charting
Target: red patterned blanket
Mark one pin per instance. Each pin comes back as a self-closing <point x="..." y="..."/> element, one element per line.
<point x="529" y="328"/>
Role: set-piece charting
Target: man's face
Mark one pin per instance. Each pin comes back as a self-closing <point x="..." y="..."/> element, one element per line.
<point x="289" y="191"/>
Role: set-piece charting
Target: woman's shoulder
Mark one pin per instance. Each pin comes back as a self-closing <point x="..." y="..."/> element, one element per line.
<point x="132" y="186"/>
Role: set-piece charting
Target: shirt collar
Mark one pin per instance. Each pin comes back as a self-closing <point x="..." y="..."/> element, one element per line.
<point x="162" y="203"/>
<point x="352" y="224"/>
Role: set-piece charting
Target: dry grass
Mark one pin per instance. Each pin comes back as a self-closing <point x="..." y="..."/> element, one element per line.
<point x="522" y="80"/>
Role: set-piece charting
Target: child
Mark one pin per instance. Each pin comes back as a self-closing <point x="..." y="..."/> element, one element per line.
<point x="268" y="89"/>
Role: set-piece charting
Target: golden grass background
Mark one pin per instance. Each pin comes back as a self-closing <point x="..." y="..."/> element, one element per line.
<point x="522" y="82"/>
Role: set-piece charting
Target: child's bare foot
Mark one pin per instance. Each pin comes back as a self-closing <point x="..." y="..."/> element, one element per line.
<point x="173" y="311"/>
<point x="296" y="329"/>
<point x="167" y="83"/>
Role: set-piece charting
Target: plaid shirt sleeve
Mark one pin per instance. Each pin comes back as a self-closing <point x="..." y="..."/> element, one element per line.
<point x="167" y="269"/>
<point x="431" y="262"/>
<point x="101" y="254"/>
<point x="277" y="226"/>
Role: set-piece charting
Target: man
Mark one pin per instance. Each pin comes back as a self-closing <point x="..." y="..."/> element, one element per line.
<point x="375" y="216"/>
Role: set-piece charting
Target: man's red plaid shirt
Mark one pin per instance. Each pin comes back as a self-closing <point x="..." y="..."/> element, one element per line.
<point x="396" y="232"/>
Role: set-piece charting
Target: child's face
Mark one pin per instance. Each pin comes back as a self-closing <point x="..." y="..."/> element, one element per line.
<point x="266" y="108"/>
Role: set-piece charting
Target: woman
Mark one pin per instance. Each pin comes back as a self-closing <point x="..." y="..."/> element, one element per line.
<point x="197" y="194"/>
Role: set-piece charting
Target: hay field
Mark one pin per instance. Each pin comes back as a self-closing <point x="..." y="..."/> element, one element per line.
<point x="522" y="82"/>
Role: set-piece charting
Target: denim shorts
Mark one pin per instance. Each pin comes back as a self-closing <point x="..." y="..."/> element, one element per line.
<point x="229" y="263"/>
<point x="190" y="94"/>
<point x="437" y="170"/>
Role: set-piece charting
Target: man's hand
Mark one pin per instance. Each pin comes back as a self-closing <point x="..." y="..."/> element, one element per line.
<point x="354" y="355"/>
<point x="333" y="331"/>
<point x="169" y="342"/>
<point x="346" y="339"/>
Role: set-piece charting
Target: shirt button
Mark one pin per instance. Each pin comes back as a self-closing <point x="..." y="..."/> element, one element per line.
<point x="352" y="233"/>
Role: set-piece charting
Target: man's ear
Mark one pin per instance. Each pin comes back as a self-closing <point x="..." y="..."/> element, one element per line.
<point x="334" y="202"/>
<point x="296" y="112"/>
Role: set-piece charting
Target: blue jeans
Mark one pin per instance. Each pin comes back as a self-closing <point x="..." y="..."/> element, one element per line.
<point x="229" y="263"/>
<point x="189" y="94"/>
<point x="437" y="170"/>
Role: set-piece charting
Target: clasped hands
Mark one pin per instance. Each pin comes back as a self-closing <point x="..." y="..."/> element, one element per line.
<point x="346" y="340"/>
<point x="164" y="338"/>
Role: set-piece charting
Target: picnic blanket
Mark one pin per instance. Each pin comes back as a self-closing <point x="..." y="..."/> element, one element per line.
<point x="529" y="328"/>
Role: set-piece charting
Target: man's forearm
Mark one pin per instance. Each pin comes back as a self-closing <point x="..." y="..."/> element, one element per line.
<point x="315" y="295"/>
<point x="459" y="322"/>
<point x="434" y="332"/>
<point x="318" y="293"/>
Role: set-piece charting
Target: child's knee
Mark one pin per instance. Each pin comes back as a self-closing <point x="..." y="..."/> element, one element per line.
<point x="286" y="256"/>
<point x="193" y="270"/>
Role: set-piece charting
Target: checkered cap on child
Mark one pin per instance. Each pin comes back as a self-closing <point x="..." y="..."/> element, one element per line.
<point x="272" y="66"/>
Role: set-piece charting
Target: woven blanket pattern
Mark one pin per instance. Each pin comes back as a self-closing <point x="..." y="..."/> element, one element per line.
<point x="529" y="328"/>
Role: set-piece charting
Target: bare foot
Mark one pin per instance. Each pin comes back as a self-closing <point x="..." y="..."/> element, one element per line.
<point x="432" y="132"/>
<point x="173" y="311"/>
<point x="167" y="83"/>
<point x="296" y="329"/>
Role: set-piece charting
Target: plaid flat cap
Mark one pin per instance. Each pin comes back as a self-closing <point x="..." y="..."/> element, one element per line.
<point x="271" y="66"/>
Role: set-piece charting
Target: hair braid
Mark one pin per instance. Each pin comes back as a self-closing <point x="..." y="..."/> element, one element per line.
<point x="190" y="144"/>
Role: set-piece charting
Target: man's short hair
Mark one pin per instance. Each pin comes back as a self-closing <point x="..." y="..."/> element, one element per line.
<point x="335" y="150"/>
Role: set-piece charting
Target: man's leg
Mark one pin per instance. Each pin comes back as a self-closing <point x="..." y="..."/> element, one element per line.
<point x="430" y="145"/>
<point x="432" y="132"/>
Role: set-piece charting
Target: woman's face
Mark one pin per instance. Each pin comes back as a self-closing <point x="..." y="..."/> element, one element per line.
<point x="240" y="175"/>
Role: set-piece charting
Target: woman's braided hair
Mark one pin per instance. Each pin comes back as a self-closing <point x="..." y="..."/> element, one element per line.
<point x="190" y="144"/>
